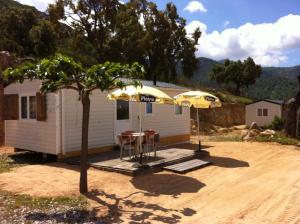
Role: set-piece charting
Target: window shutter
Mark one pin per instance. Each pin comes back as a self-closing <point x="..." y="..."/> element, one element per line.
<point x="11" y="107"/>
<point x="41" y="109"/>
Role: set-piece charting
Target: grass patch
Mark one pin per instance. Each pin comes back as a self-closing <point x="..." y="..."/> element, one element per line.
<point x="10" y="161"/>
<point x="279" y="138"/>
<point x="6" y="163"/>
<point x="226" y="138"/>
<point x="18" y="200"/>
<point x="15" y="208"/>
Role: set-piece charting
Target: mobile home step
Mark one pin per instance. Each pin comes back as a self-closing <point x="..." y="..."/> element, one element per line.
<point x="187" y="166"/>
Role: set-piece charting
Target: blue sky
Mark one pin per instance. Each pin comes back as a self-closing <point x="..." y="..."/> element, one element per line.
<point x="268" y="31"/>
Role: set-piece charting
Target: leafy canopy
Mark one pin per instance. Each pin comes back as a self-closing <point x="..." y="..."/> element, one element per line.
<point x="61" y="72"/>
<point x="26" y="32"/>
<point x="107" y="30"/>
<point x="241" y="74"/>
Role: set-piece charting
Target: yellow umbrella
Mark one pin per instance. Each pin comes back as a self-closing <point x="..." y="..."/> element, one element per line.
<point x="197" y="99"/>
<point x="141" y="94"/>
<point x="145" y="94"/>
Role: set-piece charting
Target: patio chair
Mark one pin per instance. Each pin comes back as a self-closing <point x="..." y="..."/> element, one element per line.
<point x="127" y="142"/>
<point x="156" y="142"/>
<point x="149" y="141"/>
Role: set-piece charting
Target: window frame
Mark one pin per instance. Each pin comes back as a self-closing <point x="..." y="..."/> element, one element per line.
<point x="116" y="111"/>
<point x="261" y="112"/>
<point x="175" y="112"/>
<point x="152" y="109"/>
<point x="28" y="107"/>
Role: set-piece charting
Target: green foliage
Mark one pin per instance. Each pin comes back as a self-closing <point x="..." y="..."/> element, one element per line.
<point x="63" y="72"/>
<point x="6" y="164"/>
<point x="274" y="83"/>
<point x="272" y="87"/>
<point x="13" y="204"/>
<point x="24" y="31"/>
<point x="226" y="138"/>
<point x="111" y="31"/>
<point x="43" y="39"/>
<point x="278" y="137"/>
<point x="277" y="124"/>
<point x="237" y="73"/>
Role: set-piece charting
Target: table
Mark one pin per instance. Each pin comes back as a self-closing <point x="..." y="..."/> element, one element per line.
<point x="139" y="137"/>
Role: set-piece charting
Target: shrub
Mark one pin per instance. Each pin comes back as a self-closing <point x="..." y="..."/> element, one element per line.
<point x="277" y="124"/>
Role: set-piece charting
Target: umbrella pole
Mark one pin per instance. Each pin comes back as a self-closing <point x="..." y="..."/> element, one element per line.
<point x="140" y="138"/>
<point x="198" y="130"/>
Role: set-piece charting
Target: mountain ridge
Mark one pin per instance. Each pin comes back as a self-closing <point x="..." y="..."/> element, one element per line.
<point x="275" y="82"/>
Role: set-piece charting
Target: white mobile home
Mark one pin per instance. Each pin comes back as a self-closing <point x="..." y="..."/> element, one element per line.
<point x="263" y="112"/>
<point x="52" y="123"/>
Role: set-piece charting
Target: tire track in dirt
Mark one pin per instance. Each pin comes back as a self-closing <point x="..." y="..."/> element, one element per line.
<point x="291" y="214"/>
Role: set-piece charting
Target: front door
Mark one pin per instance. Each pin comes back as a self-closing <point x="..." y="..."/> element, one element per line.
<point x="123" y="122"/>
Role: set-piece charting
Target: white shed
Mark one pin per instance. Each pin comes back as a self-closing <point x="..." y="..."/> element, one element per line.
<point x="58" y="130"/>
<point x="263" y="112"/>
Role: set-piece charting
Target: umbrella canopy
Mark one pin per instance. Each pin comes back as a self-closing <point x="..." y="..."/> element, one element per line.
<point x="141" y="94"/>
<point x="197" y="99"/>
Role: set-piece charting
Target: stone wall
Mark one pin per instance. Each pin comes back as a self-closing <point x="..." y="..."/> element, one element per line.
<point x="225" y="116"/>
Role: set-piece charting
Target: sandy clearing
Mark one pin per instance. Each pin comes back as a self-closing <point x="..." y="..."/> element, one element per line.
<point x="248" y="183"/>
<point x="6" y="150"/>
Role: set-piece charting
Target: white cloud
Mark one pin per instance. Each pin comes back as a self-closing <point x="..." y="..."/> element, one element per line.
<point x="39" y="4"/>
<point x="192" y="26"/>
<point x="195" y="6"/>
<point x="267" y="43"/>
<point x="226" y="23"/>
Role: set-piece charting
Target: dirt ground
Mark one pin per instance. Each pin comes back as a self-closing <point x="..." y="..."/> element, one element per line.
<point x="247" y="183"/>
<point x="6" y="150"/>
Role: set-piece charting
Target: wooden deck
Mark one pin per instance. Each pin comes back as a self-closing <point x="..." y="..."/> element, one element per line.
<point x="110" y="161"/>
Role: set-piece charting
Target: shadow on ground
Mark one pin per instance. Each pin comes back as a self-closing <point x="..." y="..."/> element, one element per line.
<point x="70" y="216"/>
<point x="135" y="211"/>
<point x="31" y="158"/>
<point x="166" y="184"/>
<point x="188" y="145"/>
<point x="227" y="162"/>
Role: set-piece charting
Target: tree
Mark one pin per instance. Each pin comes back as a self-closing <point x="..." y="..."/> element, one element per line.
<point x="6" y="60"/>
<point x="292" y="114"/>
<point x="134" y="31"/>
<point x="61" y="72"/>
<point x="43" y="39"/>
<point x="25" y="32"/>
<point x="241" y="74"/>
<point x="168" y="46"/>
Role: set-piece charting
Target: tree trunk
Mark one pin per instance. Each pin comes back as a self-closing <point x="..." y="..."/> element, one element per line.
<point x="1" y="113"/>
<point x="83" y="186"/>
<point x="291" y="119"/>
<point x="238" y="89"/>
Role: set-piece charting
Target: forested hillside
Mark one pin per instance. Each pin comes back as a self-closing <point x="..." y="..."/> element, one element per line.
<point x="274" y="83"/>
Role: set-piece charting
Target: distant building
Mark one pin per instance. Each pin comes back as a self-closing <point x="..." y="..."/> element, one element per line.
<point x="263" y="112"/>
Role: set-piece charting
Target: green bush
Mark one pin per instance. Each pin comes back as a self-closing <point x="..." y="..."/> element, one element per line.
<point x="277" y="124"/>
<point x="278" y="137"/>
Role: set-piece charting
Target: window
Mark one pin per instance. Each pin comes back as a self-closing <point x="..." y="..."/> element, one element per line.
<point x="262" y="112"/>
<point x="178" y="109"/>
<point x="265" y="112"/>
<point x="122" y="110"/>
<point x="24" y="109"/>
<point x="149" y="108"/>
<point x="32" y="107"/>
<point x="259" y="112"/>
<point x="28" y="107"/>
